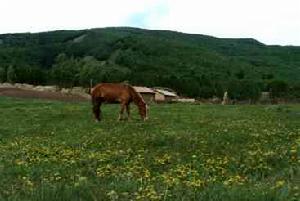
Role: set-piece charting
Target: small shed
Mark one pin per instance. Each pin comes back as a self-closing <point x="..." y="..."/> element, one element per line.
<point x="163" y="95"/>
<point x="147" y="93"/>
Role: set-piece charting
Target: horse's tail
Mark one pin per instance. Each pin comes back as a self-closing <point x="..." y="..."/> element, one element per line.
<point x="89" y="90"/>
<point x="90" y="87"/>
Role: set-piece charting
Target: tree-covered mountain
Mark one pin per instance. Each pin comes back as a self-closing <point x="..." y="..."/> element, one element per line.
<point x="194" y="65"/>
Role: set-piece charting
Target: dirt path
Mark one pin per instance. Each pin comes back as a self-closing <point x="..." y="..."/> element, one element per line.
<point x="22" y="93"/>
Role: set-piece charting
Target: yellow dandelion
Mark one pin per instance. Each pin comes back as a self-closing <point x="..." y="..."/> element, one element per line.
<point x="280" y="183"/>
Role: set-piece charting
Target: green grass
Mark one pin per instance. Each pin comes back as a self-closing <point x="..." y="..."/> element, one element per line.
<point x="55" y="151"/>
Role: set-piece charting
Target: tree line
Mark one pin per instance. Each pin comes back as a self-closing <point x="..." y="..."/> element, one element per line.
<point x="68" y="71"/>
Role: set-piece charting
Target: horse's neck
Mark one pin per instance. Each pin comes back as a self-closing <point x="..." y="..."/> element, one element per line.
<point x="136" y="98"/>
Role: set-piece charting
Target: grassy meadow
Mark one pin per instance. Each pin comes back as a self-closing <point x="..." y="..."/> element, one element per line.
<point x="55" y="151"/>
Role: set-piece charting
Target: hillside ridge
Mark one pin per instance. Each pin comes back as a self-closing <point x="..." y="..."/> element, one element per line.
<point x="193" y="64"/>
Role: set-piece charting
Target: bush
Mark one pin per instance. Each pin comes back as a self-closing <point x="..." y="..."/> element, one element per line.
<point x="2" y="75"/>
<point x="244" y="89"/>
<point x="11" y="75"/>
<point x="278" y="88"/>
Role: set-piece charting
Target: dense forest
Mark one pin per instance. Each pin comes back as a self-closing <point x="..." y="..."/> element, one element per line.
<point x="194" y="65"/>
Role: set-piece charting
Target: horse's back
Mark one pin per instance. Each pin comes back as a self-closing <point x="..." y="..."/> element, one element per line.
<point x="111" y="91"/>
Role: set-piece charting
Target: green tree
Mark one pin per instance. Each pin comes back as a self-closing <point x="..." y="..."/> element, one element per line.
<point x="91" y="69"/>
<point x="2" y="74"/>
<point x="30" y="74"/>
<point x="240" y="75"/>
<point x="11" y="74"/>
<point x="65" y="71"/>
<point x="244" y="89"/>
<point x="115" y="73"/>
<point x="278" y="88"/>
<point x="294" y="90"/>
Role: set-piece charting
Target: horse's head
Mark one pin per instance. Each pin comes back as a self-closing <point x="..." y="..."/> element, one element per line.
<point x="143" y="110"/>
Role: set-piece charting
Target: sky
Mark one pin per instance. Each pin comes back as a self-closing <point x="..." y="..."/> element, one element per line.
<point x="273" y="22"/>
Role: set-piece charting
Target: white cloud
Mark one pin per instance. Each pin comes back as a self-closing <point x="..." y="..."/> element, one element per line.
<point x="37" y="15"/>
<point x="270" y="21"/>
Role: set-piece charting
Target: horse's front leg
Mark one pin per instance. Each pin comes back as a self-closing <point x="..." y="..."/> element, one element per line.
<point x="121" y="112"/>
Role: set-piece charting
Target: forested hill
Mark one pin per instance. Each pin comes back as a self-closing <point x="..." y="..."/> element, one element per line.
<point x="194" y="65"/>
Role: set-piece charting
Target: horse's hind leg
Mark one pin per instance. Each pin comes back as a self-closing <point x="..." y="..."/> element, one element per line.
<point x="96" y="109"/>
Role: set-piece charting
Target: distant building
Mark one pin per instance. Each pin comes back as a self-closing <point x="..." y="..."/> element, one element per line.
<point x="163" y="95"/>
<point x="147" y="93"/>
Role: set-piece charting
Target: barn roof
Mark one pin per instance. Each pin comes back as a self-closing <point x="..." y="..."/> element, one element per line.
<point x="166" y="93"/>
<point x="143" y="90"/>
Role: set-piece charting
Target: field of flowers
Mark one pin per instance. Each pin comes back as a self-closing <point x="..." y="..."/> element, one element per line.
<point x="55" y="151"/>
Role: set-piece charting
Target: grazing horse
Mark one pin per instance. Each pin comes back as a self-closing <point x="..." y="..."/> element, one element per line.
<point x="114" y="92"/>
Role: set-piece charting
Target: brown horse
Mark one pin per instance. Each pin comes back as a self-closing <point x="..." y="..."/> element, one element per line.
<point x="114" y="92"/>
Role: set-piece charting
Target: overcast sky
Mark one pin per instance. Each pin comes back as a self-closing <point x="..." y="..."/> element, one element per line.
<point x="269" y="21"/>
